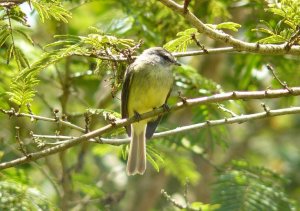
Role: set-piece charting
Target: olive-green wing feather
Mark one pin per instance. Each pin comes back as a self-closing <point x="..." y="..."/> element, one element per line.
<point x="125" y="97"/>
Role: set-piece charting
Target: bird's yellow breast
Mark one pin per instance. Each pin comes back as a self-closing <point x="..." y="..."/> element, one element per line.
<point x="149" y="89"/>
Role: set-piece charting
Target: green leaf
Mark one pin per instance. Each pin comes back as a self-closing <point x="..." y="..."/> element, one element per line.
<point x="4" y="34"/>
<point x="153" y="163"/>
<point x="21" y="58"/>
<point x="277" y="11"/>
<point x="264" y="30"/>
<point x="229" y="25"/>
<point x="204" y="207"/>
<point x="273" y="39"/>
<point x="10" y="53"/>
<point x="181" y="43"/>
<point x="51" y="8"/>
<point x="23" y="89"/>
<point x="26" y="36"/>
<point x="154" y="157"/>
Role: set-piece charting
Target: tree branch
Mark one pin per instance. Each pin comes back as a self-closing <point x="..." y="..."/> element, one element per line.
<point x="209" y="123"/>
<point x="120" y="58"/>
<point x="12" y="112"/>
<point x="190" y="102"/>
<point x="9" y="3"/>
<point x="237" y="44"/>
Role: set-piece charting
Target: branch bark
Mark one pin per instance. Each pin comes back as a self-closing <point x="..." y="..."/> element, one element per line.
<point x="293" y="91"/>
<point x="238" y="45"/>
<point x="9" y="3"/>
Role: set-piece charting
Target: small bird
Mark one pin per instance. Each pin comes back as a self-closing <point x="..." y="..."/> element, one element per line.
<point x="148" y="83"/>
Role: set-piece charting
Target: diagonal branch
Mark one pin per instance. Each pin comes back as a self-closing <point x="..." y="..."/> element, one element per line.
<point x="218" y="35"/>
<point x="190" y="102"/>
<point x="12" y="112"/>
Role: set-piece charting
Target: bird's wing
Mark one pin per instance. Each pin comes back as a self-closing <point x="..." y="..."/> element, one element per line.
<point x="125" y="96"/>
<point x="152" y="125"/>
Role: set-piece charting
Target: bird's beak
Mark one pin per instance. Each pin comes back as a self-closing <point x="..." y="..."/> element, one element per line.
<point x="177" y="63"/>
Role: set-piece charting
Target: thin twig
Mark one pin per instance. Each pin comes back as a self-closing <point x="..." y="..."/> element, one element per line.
<point x="12" y="112"/>
<point x="176" y="204"/>
<point x="283" y="84"/>
<point x="222" y="108"/>
<point x="185" y="194"/>
<point x="20" y="142"/>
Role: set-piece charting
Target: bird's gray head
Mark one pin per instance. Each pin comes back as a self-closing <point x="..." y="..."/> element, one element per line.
<point x="160" y="53"/>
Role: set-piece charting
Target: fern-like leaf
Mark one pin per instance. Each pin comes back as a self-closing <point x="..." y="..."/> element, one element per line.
<point x="154" y="157"/>
<point x="66" y="46"/>
<point x="181" y="43"/>
<point x="52" y="8"/>
<point x="23" y="89"/>
<point x="17" y="196"/>
<point x="245" y="187"/>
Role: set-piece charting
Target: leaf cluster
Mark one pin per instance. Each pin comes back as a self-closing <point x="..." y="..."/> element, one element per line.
<point x="16" y="196"/>
<point x="245" y="187"/>
<point x="191" y="35"/>
<point x="286" y="27"/>
<point x="94" y="45"/>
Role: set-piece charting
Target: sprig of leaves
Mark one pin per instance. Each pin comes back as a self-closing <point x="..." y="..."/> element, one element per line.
<point x="19" y="196"/>
<point x="188" y="36"/>
<point x="9" y="32"/>
<point x="51" y="9"/>
<point x="225" y="25"/>
<point x="184" y="39"/>
<point x="23" y="89"/>
<point x="288" y="11"/>
<point x="245" y="187"/>
<point x="92" y="45"/>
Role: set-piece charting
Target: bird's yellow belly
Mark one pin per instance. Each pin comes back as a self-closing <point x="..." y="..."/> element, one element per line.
<point x="146" y="99"/>
<point x="149" y="99"/>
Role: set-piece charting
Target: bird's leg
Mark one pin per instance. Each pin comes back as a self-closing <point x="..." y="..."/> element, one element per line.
<point x="182" y="98"/>
<point x="166" y="107"/>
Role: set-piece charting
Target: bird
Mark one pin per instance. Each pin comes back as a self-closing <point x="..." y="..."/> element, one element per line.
<point x="147" y="86"/>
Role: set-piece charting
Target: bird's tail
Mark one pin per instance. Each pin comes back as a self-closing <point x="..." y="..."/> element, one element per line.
<point x="136" y="163"/>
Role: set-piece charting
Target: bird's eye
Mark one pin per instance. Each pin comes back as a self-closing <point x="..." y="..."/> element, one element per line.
<point x="166" y="57"/>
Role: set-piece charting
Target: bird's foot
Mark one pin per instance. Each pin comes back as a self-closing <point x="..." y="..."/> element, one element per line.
<point x="137" y="116"/>
<point x="182" y="98"/>
<point x="166" y="107"/>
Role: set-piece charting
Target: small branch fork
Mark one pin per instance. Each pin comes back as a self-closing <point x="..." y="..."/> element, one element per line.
<point x="236" y="95"/>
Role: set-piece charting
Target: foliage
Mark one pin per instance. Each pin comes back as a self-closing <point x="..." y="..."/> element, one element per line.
<point x="184" y="39"/>
<point x="22" y="87"/>
<point x="226" y="25"/>
<point x="16" y="196"/>
<point x="52" y="8"/>
<point x="287" y="25"/>
<point x="189" y="36"/>
<point x="245" y="187"/>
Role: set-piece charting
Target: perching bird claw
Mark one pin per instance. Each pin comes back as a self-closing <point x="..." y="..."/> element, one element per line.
<point x="137" y="116"/>
<point x="166" y="107"/>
